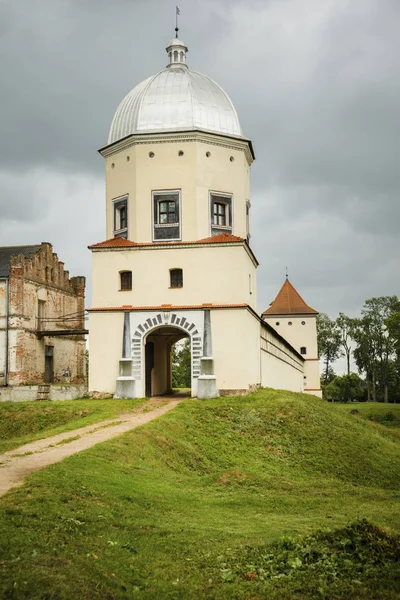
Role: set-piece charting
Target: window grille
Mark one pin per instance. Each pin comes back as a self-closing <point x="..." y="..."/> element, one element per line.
<point x="176" y="276"/>
<point x="126" y="280"/>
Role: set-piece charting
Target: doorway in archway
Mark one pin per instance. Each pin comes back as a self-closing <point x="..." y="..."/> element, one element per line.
<point x="182" y="366"/>
<point x="158" y="359"/>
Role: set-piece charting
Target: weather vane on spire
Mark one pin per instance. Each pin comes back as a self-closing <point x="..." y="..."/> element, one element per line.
<point x="178" y="12"/>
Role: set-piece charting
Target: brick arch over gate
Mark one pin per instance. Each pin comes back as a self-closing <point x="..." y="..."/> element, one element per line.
<point x="173" y="320"/>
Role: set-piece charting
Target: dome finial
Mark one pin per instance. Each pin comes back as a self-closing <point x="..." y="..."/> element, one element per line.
<point x="178" y="12"/>
<point x="177" y="49"/>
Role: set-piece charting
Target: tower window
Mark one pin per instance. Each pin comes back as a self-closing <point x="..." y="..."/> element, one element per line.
<point x="125" y="280"/>
<point x="121" y="217"/>
<point x="221" y="213"/>
<point x="303" y="350"/>
<point x="166" y="207"/>
<point x="176" y="278"/>
<point x="167" y="212"/>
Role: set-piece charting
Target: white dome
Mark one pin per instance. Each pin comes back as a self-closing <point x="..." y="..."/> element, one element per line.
<point x="175" y="99"/>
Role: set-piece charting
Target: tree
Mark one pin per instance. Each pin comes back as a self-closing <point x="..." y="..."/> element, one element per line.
<point x="393" y="326"/>
<point x="326" y="378"/>
<point x="376" y="337"/>
<point x="181" y="365"/>
<point x="345" y="388"/>
<point x="345" y="325"/>
<point x="364" y="354"/>
<point x="329" y="342"/>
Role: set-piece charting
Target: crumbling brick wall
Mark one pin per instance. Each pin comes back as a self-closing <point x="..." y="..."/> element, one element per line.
<point x="42" y="296"/>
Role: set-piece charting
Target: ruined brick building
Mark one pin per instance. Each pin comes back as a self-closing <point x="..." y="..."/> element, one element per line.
<point x="41" y="318"/>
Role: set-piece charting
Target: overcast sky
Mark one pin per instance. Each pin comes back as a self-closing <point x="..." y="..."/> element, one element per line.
<point x="316" y="85"/>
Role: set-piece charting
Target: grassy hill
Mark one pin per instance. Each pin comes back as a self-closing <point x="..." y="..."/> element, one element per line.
<point x="217" y="499"/>
<point x="24" y="422"/>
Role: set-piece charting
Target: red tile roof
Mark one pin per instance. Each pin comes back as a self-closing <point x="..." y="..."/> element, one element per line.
<point x="163" y="307"/>
<point x="221" y="238"/>
<point x="115" y="242"/>
<point x="289" y="302"/>
<point x="118" y="242"/>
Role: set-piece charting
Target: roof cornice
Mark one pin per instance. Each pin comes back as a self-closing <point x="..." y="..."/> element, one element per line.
<point x="163" y="137"/>
<point x="174" y="245"/>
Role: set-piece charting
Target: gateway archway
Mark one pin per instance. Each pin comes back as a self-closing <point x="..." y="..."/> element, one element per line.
<point x="158" y="345"/>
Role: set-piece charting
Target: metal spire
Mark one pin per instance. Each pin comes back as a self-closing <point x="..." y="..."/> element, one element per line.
<point x="178" y="12"/>
<point x="287" y="276"/>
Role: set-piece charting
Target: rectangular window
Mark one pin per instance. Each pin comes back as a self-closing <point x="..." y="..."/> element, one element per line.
<point x="168" y="212"/>
<point x="166" y="215"/>
<point x="125" y="280"/>
<point x="176" y="276"/>
<point x="221" y="213"/>
<point x="121" y="217"/>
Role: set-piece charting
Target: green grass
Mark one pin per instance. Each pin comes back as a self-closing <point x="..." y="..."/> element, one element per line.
<point x="378" y="412"/>
<point x="195" y="504"/>
<point x="24" y="422"/>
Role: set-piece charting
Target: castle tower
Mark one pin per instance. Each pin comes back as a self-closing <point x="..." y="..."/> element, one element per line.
<point x="177" y="237"/>
<point x="293" y="319"/>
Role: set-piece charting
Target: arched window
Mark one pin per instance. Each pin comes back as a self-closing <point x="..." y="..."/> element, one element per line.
<point x="176" y="278"/>
<point x="125" y="280"/>
<point x="176" y="55"/>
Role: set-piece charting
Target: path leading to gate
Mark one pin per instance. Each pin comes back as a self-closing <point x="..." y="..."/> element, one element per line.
<point x="16" y="464"/>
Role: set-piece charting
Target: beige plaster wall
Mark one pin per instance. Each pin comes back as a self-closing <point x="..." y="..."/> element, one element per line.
<point x="236" y="349"/>
<point x="301" y="335"/>
<point x="281" y="368"/>
<point x="133" y="173"/>
<point x="245" y="353"/>
<point x="297" y="334"/>
<point x="211" y="274"/>
<point x="105" y="350"/>
<point x="280" y="375"/>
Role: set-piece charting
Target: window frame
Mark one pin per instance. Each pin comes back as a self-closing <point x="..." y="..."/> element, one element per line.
<point x="156" y="212"/>
<point x="305" y="350"/>
<point x="226" y="198"/>
<point x="122" y="287"/>
<point x="118" y="203"/>
<point x="175" y="270"/>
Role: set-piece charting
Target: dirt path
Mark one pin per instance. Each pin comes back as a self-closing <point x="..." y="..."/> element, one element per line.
<point x="16" y="464"/>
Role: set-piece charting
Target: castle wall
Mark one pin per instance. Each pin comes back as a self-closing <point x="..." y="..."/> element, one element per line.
<point x="40" y="293"/>
<point x="3" y="310"/>
<point x="281" y="368"/>
<point x="301" y="331"/>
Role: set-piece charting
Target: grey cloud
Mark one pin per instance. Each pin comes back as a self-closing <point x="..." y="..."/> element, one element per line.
<point x="316" y="87"/>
